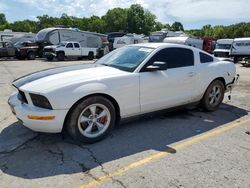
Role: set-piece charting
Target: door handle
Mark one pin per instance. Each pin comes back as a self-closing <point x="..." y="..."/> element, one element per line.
<point x="191" y="74"/>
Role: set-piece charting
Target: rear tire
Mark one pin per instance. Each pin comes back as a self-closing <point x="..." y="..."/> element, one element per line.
<point x="213" y="96"/>
<point x="31" y="56"/>
<point x="91" y="56"/>
<point x="91" y="119"/>
<point x="60" y="56"/>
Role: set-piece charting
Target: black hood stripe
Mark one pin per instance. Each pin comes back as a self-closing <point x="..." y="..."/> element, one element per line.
<point x="48" y="72"/>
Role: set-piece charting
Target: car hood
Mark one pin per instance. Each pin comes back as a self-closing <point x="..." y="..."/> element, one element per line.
<point x="222" y="50"/>
<point x="51" y="46"/>
<point x="55" y="78"/>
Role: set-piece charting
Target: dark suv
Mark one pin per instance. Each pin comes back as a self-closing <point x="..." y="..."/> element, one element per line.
<point x="27" y="50"/>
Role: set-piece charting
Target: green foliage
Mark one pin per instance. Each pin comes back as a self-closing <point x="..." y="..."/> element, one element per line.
<point x="177" y="26"/>
<point x="231" y="31"/>
<point x="134" y="19"/>
<point x="115" y="20"/>
<point x="2" y="19"/>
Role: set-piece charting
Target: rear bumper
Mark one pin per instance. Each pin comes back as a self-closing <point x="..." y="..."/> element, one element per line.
<point x="231" y="85"/>
<point x="23" y="110"/>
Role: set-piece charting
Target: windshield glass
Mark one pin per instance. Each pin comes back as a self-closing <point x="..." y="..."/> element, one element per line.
<point x="125" y="58"/>
<point x="223" y="46"/>
<point x="155" y="38"/>
<point x="61" y="44"/>
<point x="18" y="44"/>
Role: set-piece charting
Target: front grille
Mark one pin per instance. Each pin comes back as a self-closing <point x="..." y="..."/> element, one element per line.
<point x="21" y="96"/>
<point x="221" y="54"/>
<point x="48" y="50"/>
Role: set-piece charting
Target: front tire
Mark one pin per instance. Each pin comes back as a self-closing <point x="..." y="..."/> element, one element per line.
<point x="60" y="56"/>
<point x="213" y="96"/>
<point x="49" y="58"/>
<point x="31" y="56"/>
<point x="91" y="119"/>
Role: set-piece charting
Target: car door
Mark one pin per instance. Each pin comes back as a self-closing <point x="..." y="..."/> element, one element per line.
<point x="69" y="51"/>
<point x="171" y="87"/>
<point x="77" y="50"/>
<point x="3" y="50"/>
<point x="10" y="49"/>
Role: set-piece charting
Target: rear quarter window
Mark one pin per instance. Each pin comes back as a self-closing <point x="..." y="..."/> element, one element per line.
<point x="204" y="58"/>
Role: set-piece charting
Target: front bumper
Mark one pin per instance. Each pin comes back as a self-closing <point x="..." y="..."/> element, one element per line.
<point x="23" y="110"/>
<point x="49" y="54"/>
<point x="231" y="85"/>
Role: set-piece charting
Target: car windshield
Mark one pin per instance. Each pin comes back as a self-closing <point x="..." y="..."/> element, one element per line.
<point x="155" y="38"/>
<point x="223" y="46"/>
<point x="18" y="44"/>
<point x="125" y="58"/>
<point x="61" y="44"/>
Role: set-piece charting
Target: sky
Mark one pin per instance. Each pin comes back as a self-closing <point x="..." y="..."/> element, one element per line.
<point x="193" y="14"/>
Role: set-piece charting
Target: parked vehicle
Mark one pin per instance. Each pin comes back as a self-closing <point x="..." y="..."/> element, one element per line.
<point x="127" y="39"/>
<point x="68" y="49"/>
<point x="54" y="36"/>
<point x="27" y="50"/>
<point x="112" y="36"/>
<point x="207" y="44"/>
<point x="7" y="49"/>
<point x="103" y="50"/>
<point x="89" y="100"/>
<point x="26" y="37"/>
<point x="240" y="49"/>
<point x="222" y="47"/>
<point x="159" y="36"/>
<point x="190" y="41"/>
<point x="9" y="36"/>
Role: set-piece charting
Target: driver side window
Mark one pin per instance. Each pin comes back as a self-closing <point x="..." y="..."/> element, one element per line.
<point x="174" y="57"/>
<point x="69" y="45"/>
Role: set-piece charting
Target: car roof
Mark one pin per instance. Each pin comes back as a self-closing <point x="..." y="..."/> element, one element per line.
<point x="224" y="41"/>
<point x="161" y="44"/>
<point x="242" y="39"/>
<point x="70" y="42"/>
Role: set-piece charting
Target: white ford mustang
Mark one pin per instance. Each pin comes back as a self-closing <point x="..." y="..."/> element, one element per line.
<point x="88" y="100"/>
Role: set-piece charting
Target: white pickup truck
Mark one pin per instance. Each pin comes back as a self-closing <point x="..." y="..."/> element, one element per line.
<point x="68" y="49"/>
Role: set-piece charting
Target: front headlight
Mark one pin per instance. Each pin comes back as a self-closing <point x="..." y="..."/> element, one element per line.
<point x="40" y="101"/>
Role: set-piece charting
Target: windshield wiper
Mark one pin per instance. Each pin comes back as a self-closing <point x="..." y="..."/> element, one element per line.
<point x="104" y="64"/>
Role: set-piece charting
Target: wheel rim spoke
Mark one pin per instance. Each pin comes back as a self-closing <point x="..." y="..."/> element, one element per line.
<point x="89" y="128"/>
<point x="84" y="119"/>
<point x="99" y="125"/>
<point x="102" y="114"/>
<point x="93" y="110"/>
<point x="212" y="100"/>
<point x="217" y="92"/>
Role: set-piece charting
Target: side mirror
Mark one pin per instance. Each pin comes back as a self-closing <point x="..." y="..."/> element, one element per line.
<point x="157" y="66"/>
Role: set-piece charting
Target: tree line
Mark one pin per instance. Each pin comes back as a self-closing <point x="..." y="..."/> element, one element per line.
<point x="232" y="31"/>
<point x="134" y="19"/>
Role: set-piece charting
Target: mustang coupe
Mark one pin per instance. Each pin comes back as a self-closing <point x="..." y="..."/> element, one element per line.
<point x="89" y="100"/>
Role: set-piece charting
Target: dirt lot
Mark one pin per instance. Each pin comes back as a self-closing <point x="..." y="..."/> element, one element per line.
<point x="186" y="148"/>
